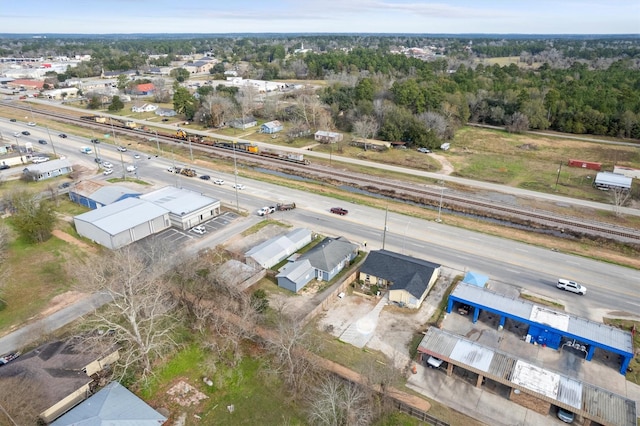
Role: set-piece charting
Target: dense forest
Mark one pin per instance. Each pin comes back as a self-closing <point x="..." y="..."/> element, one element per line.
<point x="574" y="84"/>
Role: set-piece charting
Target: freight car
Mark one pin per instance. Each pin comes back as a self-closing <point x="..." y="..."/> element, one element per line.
<point x="263" y="152"/>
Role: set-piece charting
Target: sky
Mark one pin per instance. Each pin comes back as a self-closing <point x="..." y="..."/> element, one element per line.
<point x="321" y="16"/>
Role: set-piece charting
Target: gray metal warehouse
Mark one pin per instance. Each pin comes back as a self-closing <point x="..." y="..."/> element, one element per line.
<point x="119" y="224"/>
<point x="526" y="380"/>
<point x="186" y="208"/>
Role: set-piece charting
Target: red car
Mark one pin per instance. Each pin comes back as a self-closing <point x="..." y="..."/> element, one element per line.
<point x="339" y="210"/>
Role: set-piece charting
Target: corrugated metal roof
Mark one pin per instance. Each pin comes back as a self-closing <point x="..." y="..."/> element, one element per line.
<point x="277" y="248"/>
<point x="586" y="399"/>
<point x="179" y="201"/>
<point x="592" y="331"/>
<point x="613" y="179"/>
<point x="111" y="193"/>
<point x="481" y="296"/>
<point x="470" y="353"/>
<point x="296" y="270"/>
<point x="48" y="166"/>
<point x="126" y="214"/>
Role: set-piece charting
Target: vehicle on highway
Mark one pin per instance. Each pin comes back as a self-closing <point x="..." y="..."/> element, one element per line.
<point x="199" y="229"/>
<point x="218" y="182"/>
<point x="136" y="156"/>
<point x="239" y="186"/>
<point x="42" y="142"/>
<point x="565" y="416"/>
<point x="96" y="141"/>
<point x="571" y="286"/>
<point x="339" y="210"/>
<point x="266" y="210"/>
<point x="13" y="120"/>
<point x="62" y="135"/>
<point x="98" y="160"/>
<point x="26" y="133"/>
<point x="121" y="149"/>
<point x="131" y="169"/>
<point x="4" y="166"/>
<point x="16" y="134"/>
<point x="107" y="165"/>
<point x="86" y="150"/>
<point x="31" y="123"/>
<point x="107" y="172"/>
<point x="205" y="177"/>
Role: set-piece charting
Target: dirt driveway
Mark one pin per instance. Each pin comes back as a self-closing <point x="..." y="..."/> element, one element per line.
<point x="395" y="327"/>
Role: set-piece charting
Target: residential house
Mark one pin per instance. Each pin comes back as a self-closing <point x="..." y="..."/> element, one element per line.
<point x="144" y="108"/>
<point x="165" y="112"/>
<point x="323" y="136"/>
<point x="144" y="89"/>
<point x="113" y="405"/>
<point x="271" y="127"/>
<point x="49" y="169"/>
<point x="59" y="375"/>
<point x="244" y="123"/>
<point x="323" y="262"/>
<point x="409" y="279"/>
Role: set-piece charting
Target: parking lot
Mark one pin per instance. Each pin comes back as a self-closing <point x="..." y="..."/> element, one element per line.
<point x="175" y="236"/>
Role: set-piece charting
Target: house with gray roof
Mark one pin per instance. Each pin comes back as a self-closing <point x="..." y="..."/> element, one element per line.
<point x="243" y="123"/>
<point x="122" y="223"/>
<point x="276" y="249"/>
<point x="271" y="127"/>
<point x="48" y="169"/>
<point x="186" y="208"/>
<point x="326" y="260"/>
<point x="113" y="405"/>
<point x="409" y="279"/>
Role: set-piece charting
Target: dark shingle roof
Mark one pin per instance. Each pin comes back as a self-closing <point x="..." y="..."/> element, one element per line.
<point x="405" y="272"/>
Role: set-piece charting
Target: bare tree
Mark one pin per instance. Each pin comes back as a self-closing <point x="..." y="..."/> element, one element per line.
<point x="517" y="123"/>
<point x="142" y="316"/>
<point x="313" y="112"/>
<point x="366" y="127"/>
<point x="337" y="402"/>
<point x="434" y="122"/>
<point x="162" y="93"/>
<point x="246" y="101"/>
<point x="215" y="109"/>
<point x="4" y="272"/>
<point x="619" y="197"/>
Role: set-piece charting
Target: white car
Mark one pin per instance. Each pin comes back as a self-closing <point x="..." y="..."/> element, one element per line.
<point x="16" y="134"/>
<point x="238" y="186"/>
<point x="136" y="156"/>
<point x="107" y="172"/>
<point x="218" y="182"/>
<point x="571" y="286"/>
<point x="266" y="210"/>
<point x="107" y="165"/>
<point x="199" y="229"/>
<point x="31" y="123"/>
<point x="121" y="149"/>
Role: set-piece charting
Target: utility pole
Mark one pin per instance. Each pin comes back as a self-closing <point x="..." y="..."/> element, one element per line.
<point x="384" y="232"/>
<point x="51" y="140"/>
<point x="235" y="175"/>
<point x="439" y="219"/>
<point x="558" y="177"/>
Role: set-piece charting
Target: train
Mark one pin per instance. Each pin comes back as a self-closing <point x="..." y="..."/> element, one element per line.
<point x="183" y="135"/>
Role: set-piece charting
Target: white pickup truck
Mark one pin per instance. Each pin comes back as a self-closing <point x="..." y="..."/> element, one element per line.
<point x="571" y="286"/>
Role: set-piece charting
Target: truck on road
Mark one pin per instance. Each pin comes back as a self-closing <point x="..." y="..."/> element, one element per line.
<point x="285" y="206"/>
<point x="86" y="150"/>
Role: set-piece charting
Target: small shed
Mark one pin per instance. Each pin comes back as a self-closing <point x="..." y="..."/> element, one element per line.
<point x="295" y="275"/>
<point x="48" y="169"/>
<point x="243" y="123"/>
<point x="608" y="180"/>
<point x="323" y="136"/>
<point x="271" y="127"/>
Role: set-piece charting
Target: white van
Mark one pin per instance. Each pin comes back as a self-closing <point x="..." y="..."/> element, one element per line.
<point x="434" y="362"/>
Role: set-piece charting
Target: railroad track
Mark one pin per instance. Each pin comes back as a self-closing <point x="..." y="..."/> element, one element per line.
<point x="455" y="201"/>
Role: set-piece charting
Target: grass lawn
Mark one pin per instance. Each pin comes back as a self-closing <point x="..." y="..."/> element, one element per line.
<point x="257" y="397"/>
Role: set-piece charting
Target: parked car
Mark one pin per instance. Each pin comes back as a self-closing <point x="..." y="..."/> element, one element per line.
<point x="424" y="150"/>
<point x="205" y="177"/>
<point x="239" y="186"/>
<point x="64" y="185"/>
<point x="199" y="229"/>
<point x="26" y="133"/>
<point x="107" y="172"/>
<point x="339" y="210"/>
<point x="434" y="362"/>
<point x="62" y="135"/>
<point x="121" y="149"/>
<point x="31" y="123"/>
<point x="218" y="182"/>
<point x="571" y="286"/>
<point x="565" y="416"/>
<point x="4" y="166"/>
<point x="42" y="142"/>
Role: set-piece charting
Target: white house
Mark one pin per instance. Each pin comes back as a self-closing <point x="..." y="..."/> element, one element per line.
<point x="144" y="108"/>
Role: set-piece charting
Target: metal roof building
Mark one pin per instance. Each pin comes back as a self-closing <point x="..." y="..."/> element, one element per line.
<point x="186" y="208"/>
<point x="96" y="194"/>
<point x="546" y="326"/>
<point x="49" y="169"/>
<point x="276" y="249"/>
<point x="606" y="180"/>
<point x="547" y="386"/>
<point x="119" y="224"/>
